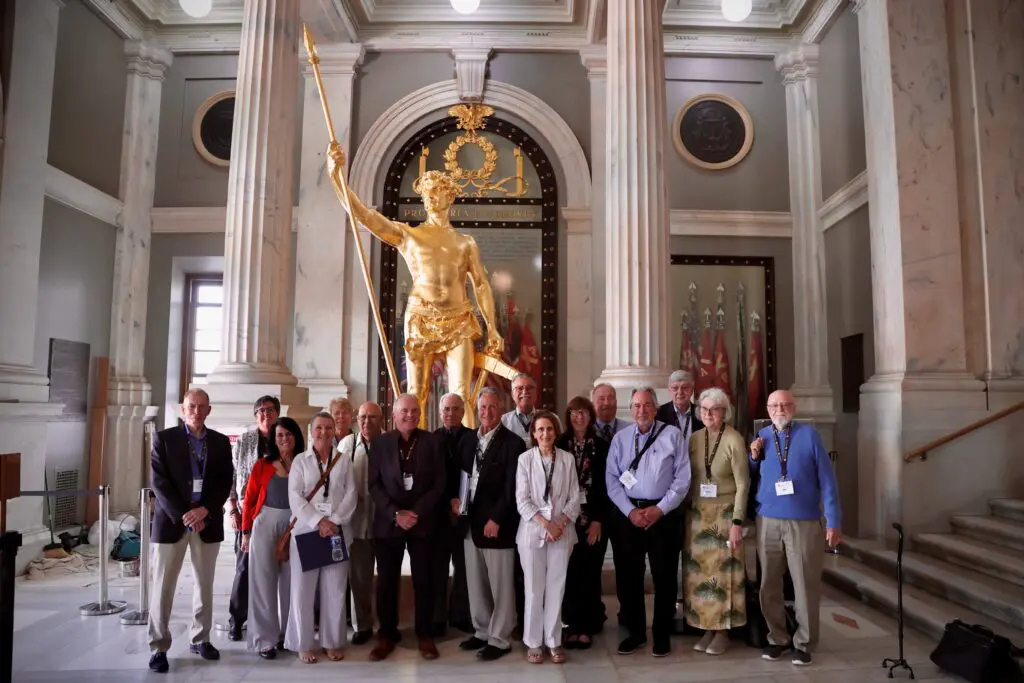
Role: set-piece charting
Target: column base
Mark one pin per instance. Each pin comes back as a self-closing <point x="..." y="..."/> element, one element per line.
<point x="625" y="380"/>
<point x="23" y="383"/>
<point x="126" y="460"/>
<point x="245" y="373"/>
<point x="322" y="390"/>
<point x="1004" y="391"/>
<point x="232" y="405"/>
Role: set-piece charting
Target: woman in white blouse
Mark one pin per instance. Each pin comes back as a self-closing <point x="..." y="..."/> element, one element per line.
<point x="548" y="499"/>
<point x="329" y="512"/>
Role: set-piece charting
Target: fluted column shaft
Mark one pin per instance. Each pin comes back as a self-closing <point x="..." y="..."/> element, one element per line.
<point x="258" y="236"/>
<point x="637" y="228"/>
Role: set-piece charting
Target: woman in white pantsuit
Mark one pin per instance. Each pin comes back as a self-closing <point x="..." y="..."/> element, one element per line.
<point x="266" y="511"/>
<point x="329" y="512"/>
<point x="548" y="499"/>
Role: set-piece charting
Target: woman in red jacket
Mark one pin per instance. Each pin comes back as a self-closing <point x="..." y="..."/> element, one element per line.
<point x="265" y="516"/>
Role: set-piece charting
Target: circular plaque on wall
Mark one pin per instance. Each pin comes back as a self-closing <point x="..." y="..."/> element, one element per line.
<point x="713" y="131"/>
<point x="211" y="128"/>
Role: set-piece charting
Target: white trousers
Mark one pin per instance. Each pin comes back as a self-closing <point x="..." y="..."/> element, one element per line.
<point x="167" y="560"/>
<point x="333" y="629"/>
<point x="544" y="571"/>
<point x="269" y="581"/>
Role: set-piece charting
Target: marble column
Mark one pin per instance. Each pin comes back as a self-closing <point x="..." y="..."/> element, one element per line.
<point x="130" y="393"/>
<point x="799" y="69"/>
<point x="595" y="59"/>
<point x="921" y="388"/>
<point x="258" y="274"/>
<point x="324" y="234"/>
<point x="637" y="305"/>
<point x="24" y="392"/>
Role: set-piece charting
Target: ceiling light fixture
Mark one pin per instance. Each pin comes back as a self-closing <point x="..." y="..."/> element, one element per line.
<point x="736" y="10"/>
<point x="196" y="8"/>
<point x="465" y="6"/>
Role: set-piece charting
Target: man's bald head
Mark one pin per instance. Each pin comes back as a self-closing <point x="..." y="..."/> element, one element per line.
<point x="370" y="418"/>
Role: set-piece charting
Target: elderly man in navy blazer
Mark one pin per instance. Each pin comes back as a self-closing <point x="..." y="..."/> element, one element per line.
<point x="192" y="477"/>
<point x="407" y="478"/>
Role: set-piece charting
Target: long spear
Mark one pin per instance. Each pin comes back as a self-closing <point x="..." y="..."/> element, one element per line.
<point x="314" y="61"/>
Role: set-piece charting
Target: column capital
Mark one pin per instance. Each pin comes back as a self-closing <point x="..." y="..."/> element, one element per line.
<point x="337" y="59"/>
<point x="471" y="71"/>
<point x="146" y="58"/>
<point x="799" y="63"/>
<point x="595" y="59"/>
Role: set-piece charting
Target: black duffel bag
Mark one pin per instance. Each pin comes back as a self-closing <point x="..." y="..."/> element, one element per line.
<point x="978" y="655"/>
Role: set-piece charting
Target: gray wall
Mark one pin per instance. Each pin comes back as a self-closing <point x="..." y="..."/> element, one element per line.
<point x="781" y="251"/>
<point x="840" y="106"/>
<point x="761" y="181"/>
<point x="90" y="80"/>
<point x="76" y="282"/>
<point x="849" y="312"/>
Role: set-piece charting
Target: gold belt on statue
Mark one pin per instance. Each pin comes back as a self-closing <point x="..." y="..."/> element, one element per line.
<point x="433" y="331"/>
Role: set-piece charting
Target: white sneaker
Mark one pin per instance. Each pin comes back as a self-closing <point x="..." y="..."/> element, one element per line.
<point x="702" y="646"/>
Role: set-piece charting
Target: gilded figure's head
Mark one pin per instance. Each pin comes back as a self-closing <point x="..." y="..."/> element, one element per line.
<point x="437" y="189"/>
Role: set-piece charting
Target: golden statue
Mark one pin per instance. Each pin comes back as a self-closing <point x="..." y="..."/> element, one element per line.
<point x="439" y="319"/>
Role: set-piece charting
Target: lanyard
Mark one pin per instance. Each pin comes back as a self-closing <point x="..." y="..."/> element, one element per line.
<point x="549" y="474"/>
<point x="638" y="453"/>
<point x="783" y="456"/>
<point x="710" y="457"/>
<point x="406" y="453"/>
<point x="686" y="429"/>
<point x="197" y="461"/>
<point x="320" y="466"/>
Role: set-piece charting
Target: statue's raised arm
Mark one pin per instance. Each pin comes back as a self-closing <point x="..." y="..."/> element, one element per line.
<point x="386" y="230"/>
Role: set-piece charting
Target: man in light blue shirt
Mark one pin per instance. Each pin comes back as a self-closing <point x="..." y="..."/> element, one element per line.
<point x="648" y="476"/>
<point x="796" y="485"/>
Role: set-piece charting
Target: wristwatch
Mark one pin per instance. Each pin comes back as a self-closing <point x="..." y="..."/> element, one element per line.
<point x="738" y="522"/>
<point x="246" y="532"/>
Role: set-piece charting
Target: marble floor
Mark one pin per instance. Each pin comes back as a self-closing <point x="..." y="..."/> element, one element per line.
<point x="53" y="643"/>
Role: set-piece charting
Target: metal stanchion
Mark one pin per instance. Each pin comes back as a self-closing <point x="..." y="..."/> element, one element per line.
<point x="103" y="606"/>
<point x="140" y="616"/>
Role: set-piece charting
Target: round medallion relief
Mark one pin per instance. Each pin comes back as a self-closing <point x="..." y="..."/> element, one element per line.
<point x="211" y="128"/>
<point x="713" y="131"/>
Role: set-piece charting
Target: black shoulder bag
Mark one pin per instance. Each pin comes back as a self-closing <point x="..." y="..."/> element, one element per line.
<point x="978" y="655"/>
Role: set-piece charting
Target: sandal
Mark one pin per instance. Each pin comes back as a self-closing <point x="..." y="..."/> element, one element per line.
<point x="335" y="655"/>
<point x="535" y="655"/>
<point x="307" y="657"/>
<point x="557" y="655"/>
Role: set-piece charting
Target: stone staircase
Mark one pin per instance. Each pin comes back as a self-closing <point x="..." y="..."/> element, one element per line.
<point x="975" y="573"/>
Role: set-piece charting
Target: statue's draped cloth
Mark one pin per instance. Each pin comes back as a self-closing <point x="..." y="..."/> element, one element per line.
<point x="433" y="331"/>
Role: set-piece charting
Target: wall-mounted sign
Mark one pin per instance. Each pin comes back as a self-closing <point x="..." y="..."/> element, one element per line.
<point x="713" y="131"/>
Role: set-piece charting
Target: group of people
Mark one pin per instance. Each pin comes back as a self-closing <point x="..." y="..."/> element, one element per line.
<point x="523" y="507"/>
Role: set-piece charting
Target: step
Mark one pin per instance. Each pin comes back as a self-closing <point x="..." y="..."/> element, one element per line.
<point x="996" y="530"/>
<point x="921" y="610"/>
<point x="998" y="599"/>
<point x="1008" y="508"/>
<point x="987" y="558"/>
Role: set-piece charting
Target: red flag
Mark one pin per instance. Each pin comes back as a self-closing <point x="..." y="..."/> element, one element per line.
<point x="705" y="364"/>
<point x="755" y="372"/>
<point x="687" y="358"/>
<point x="721" y="378"/>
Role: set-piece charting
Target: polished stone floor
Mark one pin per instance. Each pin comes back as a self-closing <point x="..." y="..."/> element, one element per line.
<point x="53" y="643"/>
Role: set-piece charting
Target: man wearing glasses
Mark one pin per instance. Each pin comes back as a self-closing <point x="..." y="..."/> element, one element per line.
<point x="796" y="481"/>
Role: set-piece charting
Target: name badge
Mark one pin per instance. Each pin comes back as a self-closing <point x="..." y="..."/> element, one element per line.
<point x="628" y="479"/>
<point x="324" y="508"/>
<point x="709" y="490"/>
<point x="407" y="482"/>
<point x="784" y="487"/>
<point x="583" y="496"/>
<point x="197" y="486"/>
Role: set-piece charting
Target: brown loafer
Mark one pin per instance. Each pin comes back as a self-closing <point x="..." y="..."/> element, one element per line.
<point x="427" y="648"/>
<point x="383" y="648"/>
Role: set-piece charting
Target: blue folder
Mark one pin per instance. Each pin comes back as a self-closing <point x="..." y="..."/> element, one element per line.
<point x="316" y="551"/>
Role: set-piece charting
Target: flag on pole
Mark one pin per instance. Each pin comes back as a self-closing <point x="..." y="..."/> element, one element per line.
<point x="687" y="358"/>
<point x="704" y="378"/>
<point x="721" y="378"/>
<point x="755" y="371"/>
<point x="743" y="422"/>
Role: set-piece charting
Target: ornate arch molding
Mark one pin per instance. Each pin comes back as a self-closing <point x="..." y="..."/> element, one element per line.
<point x="372" y="156"/>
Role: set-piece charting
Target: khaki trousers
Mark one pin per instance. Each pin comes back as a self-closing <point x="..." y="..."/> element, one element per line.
<point x="798" y="545"/>
<point x="490" y="581"/>
<point x="167" y="559"/>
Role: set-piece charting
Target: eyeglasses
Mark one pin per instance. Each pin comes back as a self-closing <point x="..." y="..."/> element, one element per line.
<point x="777" y="406"/>
<point x="705" y="409"/>
<point x="579" y="412"/>
<point x="266" y="411"/>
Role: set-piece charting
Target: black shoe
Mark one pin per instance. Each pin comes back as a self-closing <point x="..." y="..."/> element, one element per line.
<point x="801" y="658"/>
<point x="440" y="628"/>
<point x="773" y="653"/>
<point x="473" y="643"/>
<point x="661" y="647"/>
<point x="491" y="653"/>
<point x="361" y="637"/>
<point x="631" y="644"/>
<point x="235" y="633"/>
<point x="464" y="625"/>
<point x="280" y="646"/>
<point x="268" y="654"/>
<point x="158" y="663"/>
<point x="205" y="650"/>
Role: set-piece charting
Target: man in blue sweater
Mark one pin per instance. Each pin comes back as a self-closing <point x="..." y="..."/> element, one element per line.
<point x="796" y="482"/>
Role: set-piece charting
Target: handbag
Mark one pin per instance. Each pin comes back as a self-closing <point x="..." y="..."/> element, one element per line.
<point x="976" y="654"/>
<point x="282" y="549"/>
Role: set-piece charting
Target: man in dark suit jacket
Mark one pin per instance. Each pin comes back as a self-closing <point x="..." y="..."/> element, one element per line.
<point x="192" y="476"/>
<point x="489" y="459"/>
<point x="451" y="608"/>
<point x="681" y="411"/>
<point x="406" y="479"/>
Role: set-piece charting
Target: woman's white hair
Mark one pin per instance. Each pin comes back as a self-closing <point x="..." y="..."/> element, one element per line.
<point x="719" y="399"/>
